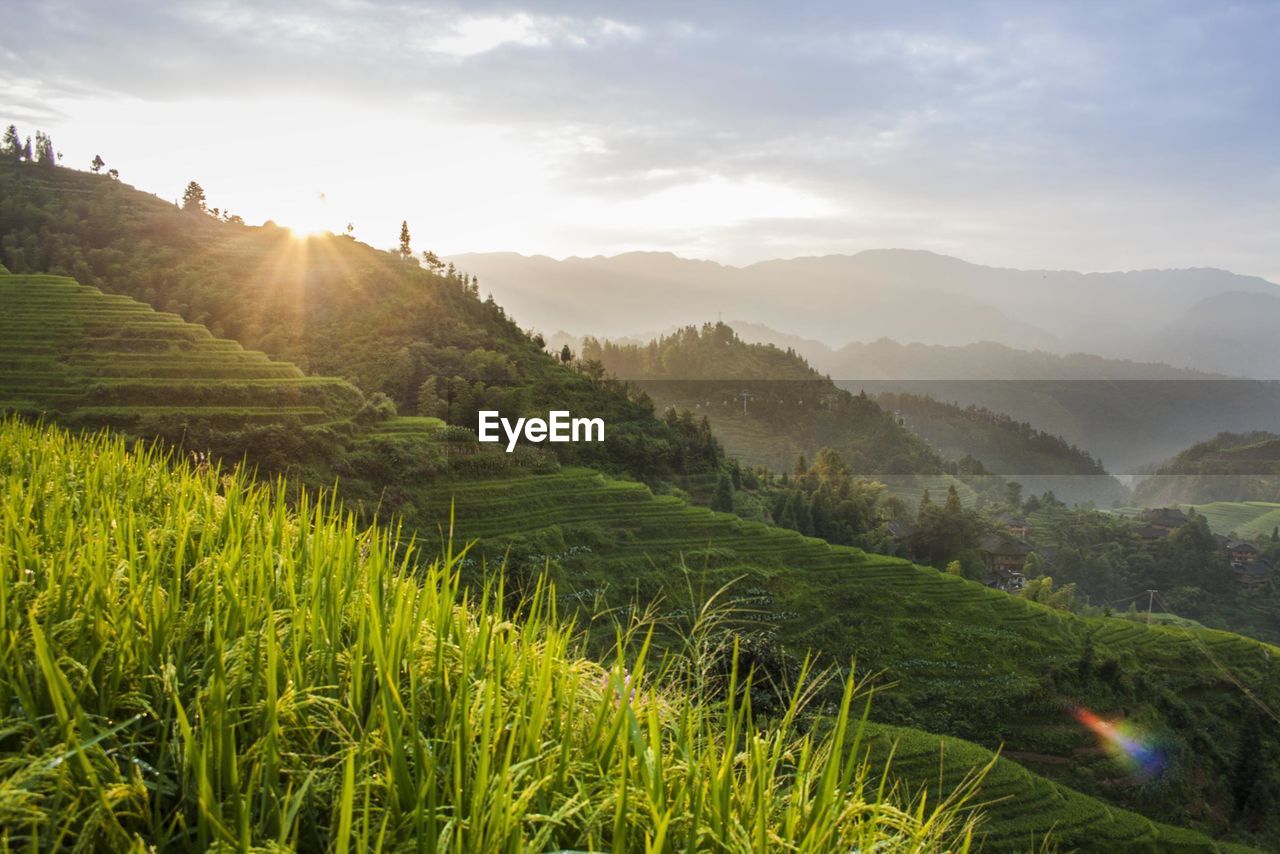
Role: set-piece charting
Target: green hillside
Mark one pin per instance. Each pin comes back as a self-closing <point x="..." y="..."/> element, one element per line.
<point x="249" y="677"/>
<point x="1248" y="519"/>
<point x="266" y="678"/>
<point x="333" y="307"/>
<point x="1021" y="810"/>
<point x="1230" y="467"/>
<point x="962" y="659"/>
<point x="1040" y="461"/>
<point x="91" y="358"/>
<point x="766" y="405"/>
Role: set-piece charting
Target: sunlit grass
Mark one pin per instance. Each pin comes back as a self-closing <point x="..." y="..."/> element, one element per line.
<point x="185" y="662"/>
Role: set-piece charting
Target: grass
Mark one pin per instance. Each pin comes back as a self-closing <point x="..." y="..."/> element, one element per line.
<point x="957" y="658"/>
<point x="92" y="358"/>
<point x="187" y="663"/>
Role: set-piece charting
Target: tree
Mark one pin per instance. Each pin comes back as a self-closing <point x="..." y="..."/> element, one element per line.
<point x="44" y="150"/>
<point x="722" y="499"/>
<point x="11" y="146"/>
<point x="955" y="568"/>
<point x="350" y="230"/>
<point x="113" y="174"/>
<point x="406" y="250"/>
<point x="429" y="402"/>
<point x="432" y="261"/>
<point x="97" y="163"/>
<point x="566" y="355"/>
<point x="193" y="198"/>
<point x="26" y="151"/>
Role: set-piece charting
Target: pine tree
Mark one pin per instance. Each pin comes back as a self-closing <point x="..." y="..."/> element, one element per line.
<point x="26" y="151"/>
<point x="566" y="355"/>
<point x="722" y="500"/>
<point x="193" y="198"/>
<point x="11" y="146"/>
<point x="406" y="250"/>
<point x="97" y="163"/>
<point x="44" y="150"/>
<point x="429" y="402"/>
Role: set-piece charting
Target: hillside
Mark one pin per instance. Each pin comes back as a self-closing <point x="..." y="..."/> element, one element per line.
<point x="264" y="677"/>
<point x="205" y="729"/>
<point x="1130" y="414"/>
<point x="1231" y="467"/>
<point x="328" y="304"/>
<point x="1037" y="460"/>
<point x="962" y="659"/>
<point x="883" y="293"/>
<point x="767" y="406"/>
<point x="93" y="359"/>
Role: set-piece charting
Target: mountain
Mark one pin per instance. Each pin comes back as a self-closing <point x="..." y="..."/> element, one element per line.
<point x="1130" y="414"/>
<point x="1039" y="461"/>
<point x="1230" y="467"/>
<point x="766" y="405"/>
<point x="1233" y="332"/>
<point x="328" y="304"/>
<point x="909" y="296"/>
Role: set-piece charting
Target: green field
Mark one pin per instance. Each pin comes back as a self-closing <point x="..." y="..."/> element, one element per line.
<point x="254" y="677"/>
<point x="93" y="358"/>
<point x="1248" y="519"/>
<point x="958" y="658"/>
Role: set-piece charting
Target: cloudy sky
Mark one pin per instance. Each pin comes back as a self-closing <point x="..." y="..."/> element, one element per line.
<point x="1082" y="135"/>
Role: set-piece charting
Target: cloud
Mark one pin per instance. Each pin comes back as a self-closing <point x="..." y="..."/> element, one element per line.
<point x="1080" y="135"/>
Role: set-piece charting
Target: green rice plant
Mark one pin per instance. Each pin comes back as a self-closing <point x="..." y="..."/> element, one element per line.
<point x="187" y="662"/>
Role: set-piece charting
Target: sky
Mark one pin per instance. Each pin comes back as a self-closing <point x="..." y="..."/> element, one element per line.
<point x="1075" y="135"/>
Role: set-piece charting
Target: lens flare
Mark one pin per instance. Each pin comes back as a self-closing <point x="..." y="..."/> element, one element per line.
<point x="1125" y="743"/>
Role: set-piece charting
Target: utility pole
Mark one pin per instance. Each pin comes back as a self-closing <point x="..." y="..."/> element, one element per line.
<point x="745" y="395"/>
<point x="1151" y="598"/>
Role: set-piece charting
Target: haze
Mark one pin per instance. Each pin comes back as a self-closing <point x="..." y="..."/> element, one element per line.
<point x="1080" y="136"/>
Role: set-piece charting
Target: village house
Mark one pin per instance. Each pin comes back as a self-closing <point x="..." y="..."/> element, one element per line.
<point x="1004" y="559"/>
<point x="1241" y="551"/>
<point x="1167" y="519"/>
<point x="1253" y="574"/>
<point x="1019" y="528"/>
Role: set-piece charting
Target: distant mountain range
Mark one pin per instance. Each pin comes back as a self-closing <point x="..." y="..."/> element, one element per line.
<point x="1200" y="318"/>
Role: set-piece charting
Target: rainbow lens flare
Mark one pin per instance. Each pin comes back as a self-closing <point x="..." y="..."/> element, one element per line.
<point x="1125" y="743"/>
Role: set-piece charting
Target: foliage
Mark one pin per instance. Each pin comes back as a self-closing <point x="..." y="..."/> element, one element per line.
<point x="246" y="676"/>
<point x="766" y="404"/>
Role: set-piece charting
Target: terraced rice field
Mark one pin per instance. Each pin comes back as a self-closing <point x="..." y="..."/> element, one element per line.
<point x="955" y="657"/>
<point x="1020" y="809"/>
<point x="1245" y="518"/>
<point x="94" y="358"/>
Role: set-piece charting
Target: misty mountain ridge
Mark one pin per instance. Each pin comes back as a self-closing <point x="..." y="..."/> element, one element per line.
<point x="903" y="295"/>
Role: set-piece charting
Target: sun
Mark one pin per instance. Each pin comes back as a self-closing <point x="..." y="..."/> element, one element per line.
<point x="311" y="218"/>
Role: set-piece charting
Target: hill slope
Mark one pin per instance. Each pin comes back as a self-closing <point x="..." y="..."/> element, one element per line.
<point x="216" y="670"/>
<point x="1130" y="414"/>
<point x="1229" y="467"/>
<point x="326" y="303"/>
<point x="766" y="406"/>
<point x="98" y="359"/>
<point x="255" y="706"/>
<point x="1037" y="460"/>
<point x="964" y="660"/>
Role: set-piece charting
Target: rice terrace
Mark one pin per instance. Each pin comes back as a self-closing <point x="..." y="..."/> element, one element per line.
<point x="540" y="427"/>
